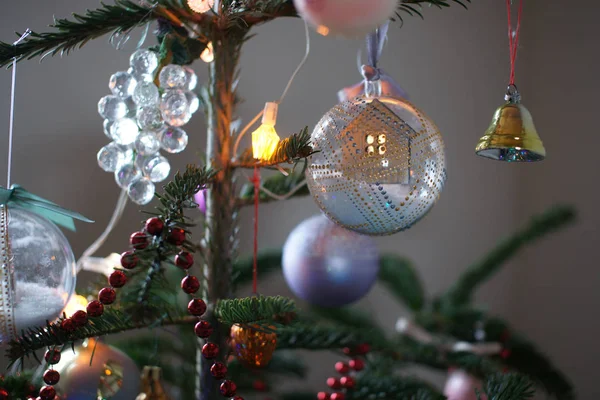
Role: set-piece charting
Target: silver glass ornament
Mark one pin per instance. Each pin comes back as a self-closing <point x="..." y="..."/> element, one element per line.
<point x="175" y="107"/>
<point x="126" y="174"/>
<point x="149" y="118"/>
<point x="144" y="61"/>
<point x="147" y="143"/>
<point x="172" y="76"/>
<point x="141" y="191"/>
<point x="112" y="107"/>
<point x="111" y="156"/>
<point x="122" y="84"/>
<point x="172" y="139"/>
<point x="146" y="94"/>
<point x="157" y="168"/>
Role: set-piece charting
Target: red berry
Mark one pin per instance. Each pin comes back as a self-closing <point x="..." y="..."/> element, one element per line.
<point x="139" y="240"/>
<point x="107" y="295"/>
<point x="3" y="394"/>
<point x="505" y="353"/>
<point x="47" y="393"/>
<point x="176" y="236"/>
<point x="184" y="260"/>
<point x="342" y="367"/>
<point x="362" y="349"/>
<point x="154" y="226"/>
<point x="67" y="325"/>
<point x="338" y="396"/>
<point x="210" y="351"/>
<point x="347" y="351"/>
<point x="117" y="279"/>
<point x="228" y="388"/>
<point x="80" y="318"/>
<point x="190" y="284"/>
<point x="52" y="356"/>
<point x="322" y="396"/>
<point x="95" y="308"/>
<point x="348" y="382"/>
<point x="259" y="386"/>
<point x="203" y="329"/>
<point x="357" y="364"/>
<point x="218" y="370"/>
<point x="334" y="383"/>
<point x="129" y="260"/>
<point x="51" y="377"/>
<point x="197" y="307"/>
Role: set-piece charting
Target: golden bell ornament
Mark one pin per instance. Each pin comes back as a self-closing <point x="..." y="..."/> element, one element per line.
<point x="152" y="388"/>
<point x="253" y="347"/>
<point x="512" y="136"/>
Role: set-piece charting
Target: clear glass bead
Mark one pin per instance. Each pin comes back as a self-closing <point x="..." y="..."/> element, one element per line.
<point x="157" y="168"/>
<point x="172" y="76"/>
<point x="141" y="191"/>
<point x="147" y="143"/>
<point x="107" y="125"/>
<point x="193" y="101"/>
<point x="126" y="174"/>
<point x="175" y="108"/>
<point x="146" y="94"/>
<point x="191" y="79"/>
<point x="111" y="107"/>
<point x="173" y="140"/>
<point x="111" y="156"/>
<point x="144" y="61"/>
<point x="124" y="131"/>
<point x="149" y="118"/>
<point x="140" y="161"/>
<point x="122" y="84"/>
<point x="141" y="77"/>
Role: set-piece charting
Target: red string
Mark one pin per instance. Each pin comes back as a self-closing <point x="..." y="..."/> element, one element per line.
<point x="513" y="40"/>
<point x="256" y="182"/>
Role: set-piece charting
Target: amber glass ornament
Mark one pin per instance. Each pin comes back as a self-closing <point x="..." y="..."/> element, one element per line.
<point x="253" y="347"/>
<point x="152" y="388"/>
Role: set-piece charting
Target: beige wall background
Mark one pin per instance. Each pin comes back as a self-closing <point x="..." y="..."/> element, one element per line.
<point x="454" y="64"/>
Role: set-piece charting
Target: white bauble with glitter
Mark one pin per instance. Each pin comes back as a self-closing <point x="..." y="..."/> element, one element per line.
<point x="350" y="18"/>
<point x="379" y="164"/>
<point x="37" y="273"/>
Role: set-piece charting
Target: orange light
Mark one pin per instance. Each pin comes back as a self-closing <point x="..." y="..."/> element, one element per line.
<point x="323" y="30"/>
<point x="77" y="303"/>
<point x="201" y="6"/>
<point x="265" y="139"/>
<point x="208" y="54"/>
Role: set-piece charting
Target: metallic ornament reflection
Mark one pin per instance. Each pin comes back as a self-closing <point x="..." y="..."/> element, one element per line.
<point x="253" y="347"/>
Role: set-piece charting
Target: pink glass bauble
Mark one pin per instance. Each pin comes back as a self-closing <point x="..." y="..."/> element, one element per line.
<point x="200" y="199"/>
<point x="461" y="386"/>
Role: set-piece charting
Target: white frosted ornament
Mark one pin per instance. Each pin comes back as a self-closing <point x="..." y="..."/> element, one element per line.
<point x="146" y="94"/>
<point x="172" y="76"/>
<point x="124" y="131"/>
<point x="126" y="174"/>
<point x="147" y="143"/>
<point x="142" y="191"/>
<point x="37" y="275"/>
<point x="173" y="140"/>
<point x="111" y="107"/>
<point x="111" y="156"/>
<point x="157" y="168"/>
<point x="122" y="84"/>
<point x="143" y="61"/>
<point x="350" y="18"/>
<point x="175" y="108"/>
<point x="379" y="164"/>
<point x="149" y="118"/>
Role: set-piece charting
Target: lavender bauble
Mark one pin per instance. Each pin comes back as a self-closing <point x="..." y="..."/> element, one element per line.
<point x="327" y="265"/>
<point x="462" y="386"/>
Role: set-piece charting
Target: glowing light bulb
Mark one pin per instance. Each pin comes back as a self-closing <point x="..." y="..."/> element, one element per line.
<point x="208" y="54"/>
<point x="265" y="138"/>
<point x="77" y="303"/>
<point x="323" y="30"/>
<point x="201" y="6"/>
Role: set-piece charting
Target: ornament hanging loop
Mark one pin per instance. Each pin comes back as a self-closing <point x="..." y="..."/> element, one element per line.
<point x="512" y="95"/>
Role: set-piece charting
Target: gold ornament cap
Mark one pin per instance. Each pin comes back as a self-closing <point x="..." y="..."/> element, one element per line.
<point x="512" y="136"/>
<point x="152" y="388"/>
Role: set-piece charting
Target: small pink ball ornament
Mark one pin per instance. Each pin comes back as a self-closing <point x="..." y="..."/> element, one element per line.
<point x="461" y="386"/>
<point x="350" y="18"/>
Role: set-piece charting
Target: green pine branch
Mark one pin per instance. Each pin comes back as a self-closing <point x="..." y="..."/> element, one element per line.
<point x="508" y="387"/>
<point x="255" y="310"/>
<point x="289" y="150"/>
<point x="402" y="280"/>
<point x="350" y="318"/>
<point x="19" y="386"/>
<point x="550" y="221"/>
<point x="393" y="388"/>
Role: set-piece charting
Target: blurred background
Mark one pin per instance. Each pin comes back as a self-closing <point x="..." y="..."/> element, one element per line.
<point x="454" y="65"/>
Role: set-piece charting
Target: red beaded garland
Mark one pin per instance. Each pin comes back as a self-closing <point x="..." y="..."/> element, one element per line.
<point x="51" y="377"/>
<point x="80" y="318"/>
<point x="197" y="307"/>
<point x="67" y="325"/>
<point x="362" y="349"/>
<point x="323" y="396"/>
<point x="154" y="226"/>
<point x="203" y="329"/>
<point x="210" y="351"/>
<point x="357" y="364"/>
<point x="47" y="393"/>
<point x="52" y="356"/>
<point x="505" y="353"/>
<point x="337" y="396"/>
<point x="139" y="240"/>
<point x="334" y="383"/>
<point x="129" y="260"/>
<point x="342" y="367"/>
<point x="218" y="370"/>
<point x="3" y="394"/>
<point x="117" y="279"/>
<point x="95" y="308"/>
<point x="348" y="382"/>
<point x="190" y="284"/>
<point x="107" y="295"/>
<point x="176" y="236"/>
<point x="228" y="388"/>
<point x="184" y="260"/>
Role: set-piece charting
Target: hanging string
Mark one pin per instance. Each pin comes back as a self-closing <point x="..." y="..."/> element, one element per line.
<point x="11" y="119"/>
<point x="513" y="37"/>
<point x="256" y="182"/>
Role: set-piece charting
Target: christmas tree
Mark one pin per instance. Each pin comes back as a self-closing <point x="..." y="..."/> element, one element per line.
<point x="230" y="346"/>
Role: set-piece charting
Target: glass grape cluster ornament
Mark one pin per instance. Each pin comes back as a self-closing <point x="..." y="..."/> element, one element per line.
<point x="141" y="119"/>
<point x="379" y="163"/>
